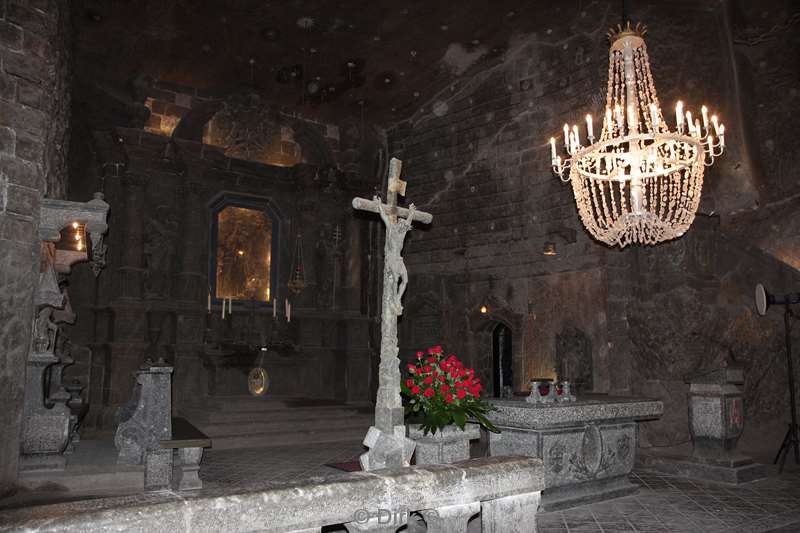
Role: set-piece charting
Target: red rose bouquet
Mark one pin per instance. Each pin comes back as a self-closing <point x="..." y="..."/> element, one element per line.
<point x="444" y="392"/>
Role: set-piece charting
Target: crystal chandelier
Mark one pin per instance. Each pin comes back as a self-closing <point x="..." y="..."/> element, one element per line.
<point x="640" y="182"/>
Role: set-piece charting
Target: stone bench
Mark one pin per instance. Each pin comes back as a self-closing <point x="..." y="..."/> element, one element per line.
<point x="189" y="442"/>
<point x="503" y="490"/>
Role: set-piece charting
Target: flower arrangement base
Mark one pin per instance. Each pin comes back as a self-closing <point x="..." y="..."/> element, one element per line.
<point x="448" y="445"/>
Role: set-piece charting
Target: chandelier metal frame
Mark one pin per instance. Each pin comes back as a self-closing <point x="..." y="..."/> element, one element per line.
<point x="641" y="182"/>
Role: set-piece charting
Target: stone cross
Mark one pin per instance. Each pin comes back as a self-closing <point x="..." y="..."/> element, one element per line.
<point x="387" y="440"/>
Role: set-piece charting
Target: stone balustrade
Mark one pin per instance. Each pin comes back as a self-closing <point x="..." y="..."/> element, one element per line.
<point x="504" y="490"/>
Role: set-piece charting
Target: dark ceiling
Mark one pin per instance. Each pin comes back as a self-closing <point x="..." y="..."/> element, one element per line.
<point x="333" y="58"/>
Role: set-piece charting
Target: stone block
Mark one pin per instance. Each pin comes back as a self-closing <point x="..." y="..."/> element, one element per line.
<point x="8" y="141"/>
<point x="10" y="35"/>
<point x="158" y="470"/>
<point x="448" y="445"/>
<point x="22" y="200"/>
<point x="512" y="514"/>
<point x="8" y="87"/>
<point x="33" y="20"/>
<point x="30" y="148"/>
<point x="29" y="94"/>
<point x="22" y="118"/>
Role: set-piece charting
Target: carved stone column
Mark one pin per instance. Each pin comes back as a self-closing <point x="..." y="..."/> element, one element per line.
<point x="130" y="275"/>
<point x="190" y="282"/>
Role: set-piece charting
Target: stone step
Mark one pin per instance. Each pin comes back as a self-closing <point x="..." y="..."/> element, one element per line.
<point x="249" y="403"/>
<point x="265" y="440"/>
<point x="275" y="427"/>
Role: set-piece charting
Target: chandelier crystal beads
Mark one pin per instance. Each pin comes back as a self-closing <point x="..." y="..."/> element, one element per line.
<point x="641" y="182"/>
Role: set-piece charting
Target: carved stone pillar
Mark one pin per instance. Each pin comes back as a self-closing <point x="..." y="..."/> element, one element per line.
<point x="130" y="275"/>
<point x="190" y="282"/>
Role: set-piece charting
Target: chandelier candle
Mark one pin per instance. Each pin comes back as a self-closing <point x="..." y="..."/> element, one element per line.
<point x="640" y="183"/>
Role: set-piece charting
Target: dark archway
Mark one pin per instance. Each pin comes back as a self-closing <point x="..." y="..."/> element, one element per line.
<point x="502" y="358"/>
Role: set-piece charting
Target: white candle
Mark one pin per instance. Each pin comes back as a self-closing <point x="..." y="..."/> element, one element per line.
<point x="223" y="309"/>
<point x="710" y="140"/>
<point x="679" y="115"/>
<point x="566" y="135"/>
<point x="620" y="121"/>
<point x="209" y="301"/>
<point x="715" y="122"/>
<point x="704" y="111"/>
<point x="722" y="135"/>
<point x="690" y="122"/>
<point x="230" y="306"/>
<point x="654" y="116"/>
<point x="697" y="129"/>
<point x="274" y="308"/>
<point x="589" y="126"/>
<point x="289" y="312"/>
<point x="609" y="123"/>
<point x="552" y="149"/>
<point x="631" y="119"/>
<point x="577" y="135"/>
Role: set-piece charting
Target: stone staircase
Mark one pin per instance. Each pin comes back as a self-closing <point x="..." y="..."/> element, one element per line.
<point x="235" y="422"/>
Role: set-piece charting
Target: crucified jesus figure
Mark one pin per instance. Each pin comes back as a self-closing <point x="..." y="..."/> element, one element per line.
<point x="395" y="266"/>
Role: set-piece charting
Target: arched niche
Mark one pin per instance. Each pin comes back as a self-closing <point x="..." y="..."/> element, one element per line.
<point x="484" y="319"/>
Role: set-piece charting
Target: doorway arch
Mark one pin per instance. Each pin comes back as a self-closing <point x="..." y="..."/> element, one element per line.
<point x="502" y="360"/>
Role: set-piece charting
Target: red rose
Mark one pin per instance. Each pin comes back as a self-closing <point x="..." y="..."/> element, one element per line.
<point x="428" y="392"/>
<point x="437" y="349"/>
<point x="443" y="364"/>
<point x="428" y="380"/>
<point x="461" y="393"/>
<point x="426" y="368"/>
<point x="462" y="373"/>
<point x="431" y="359"/>
<point x="442" y="378"/>
<point x="451" y="358"/>
<point x="409" y="382"/>
<point x="444" y="389"/>
<point x="419" y="355"/>
<point x="415" y="389"/>
<point x="459" y="385"/>
<point x="430" y="350"/>
<point x="411" y="368"/>
<point x="448" y="398"/>
<point x="435" y="373"/>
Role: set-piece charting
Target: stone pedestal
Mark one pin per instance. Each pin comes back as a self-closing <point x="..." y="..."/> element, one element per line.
<point x="588" y="446"/>
<point x="449" y="445"/>
<point x="716" y="421"/>
<point x="144" y="422"/>
<point x="45" y="430"/>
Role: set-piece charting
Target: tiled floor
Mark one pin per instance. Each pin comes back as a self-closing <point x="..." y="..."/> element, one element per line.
<point x="670" y="504"/>
<point x="663" y="504"/>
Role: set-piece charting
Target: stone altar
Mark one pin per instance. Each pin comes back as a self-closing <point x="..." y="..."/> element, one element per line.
<point x="588" y="446"/>
<point x="716" y="421"/>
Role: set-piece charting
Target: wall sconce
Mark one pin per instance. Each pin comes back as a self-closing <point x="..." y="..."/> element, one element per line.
<point x="568" y="235"/>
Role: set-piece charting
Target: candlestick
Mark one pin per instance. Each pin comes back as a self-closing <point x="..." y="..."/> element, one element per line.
<point x="721" y="135"/>
<point x="577" y="135"/>
<point x="274" y="309"/>
<point x="223" y="309"/>
<point x="679" y="115"/>
<point x="704" y="112"/>
<point x="552" y="148"/>
<point x="566" y="135"/>
<point x="690" y="122"/>
<point x="209" y="301"/>
<point x="609" y="123"/>
<point x="289" y="312"/>
<point x="589" y="128"/>
<point x="715" y="122"/>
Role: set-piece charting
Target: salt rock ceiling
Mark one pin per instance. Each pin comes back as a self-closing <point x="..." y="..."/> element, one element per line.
<point x="382" y="57"/>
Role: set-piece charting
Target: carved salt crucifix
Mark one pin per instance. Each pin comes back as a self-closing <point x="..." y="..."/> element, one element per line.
<point x="387" y="440"/>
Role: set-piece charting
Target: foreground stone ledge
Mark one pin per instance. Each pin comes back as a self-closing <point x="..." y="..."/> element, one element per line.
<point x="294" y="507"/>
